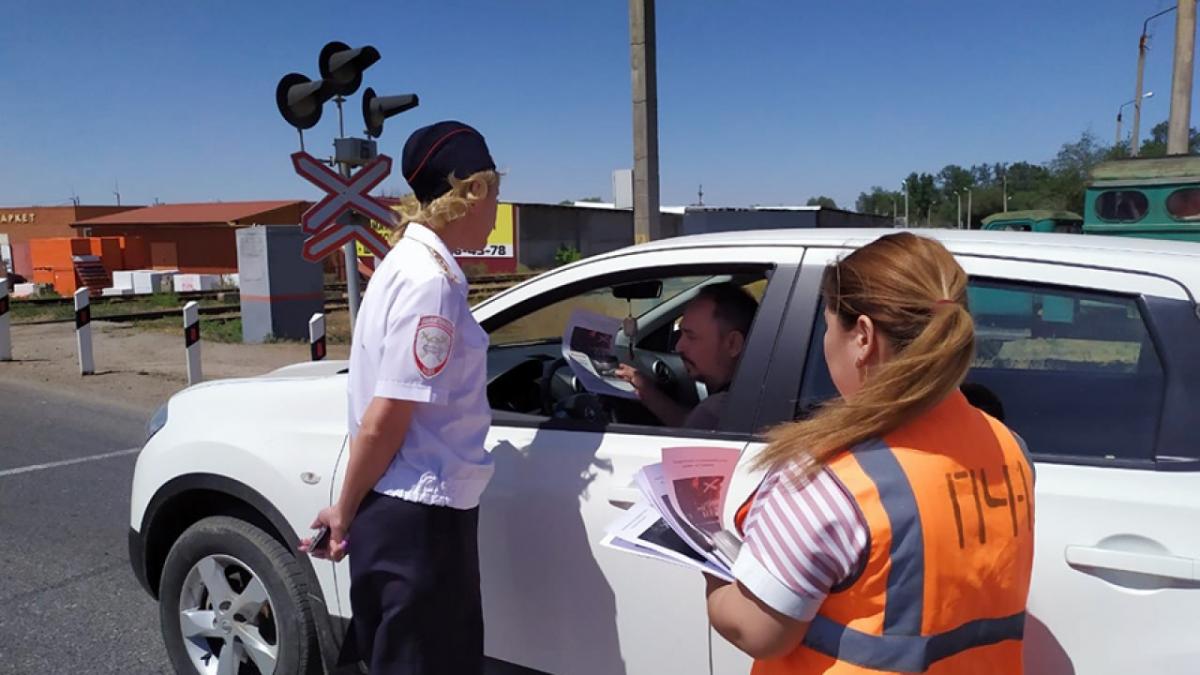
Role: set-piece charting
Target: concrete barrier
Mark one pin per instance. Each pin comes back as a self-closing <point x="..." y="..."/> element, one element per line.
<point x="83" y="332"/>
<point x="317" y="347"/>
<point x="191" y="341"/>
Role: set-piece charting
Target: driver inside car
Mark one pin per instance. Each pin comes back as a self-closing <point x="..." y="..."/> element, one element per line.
<point x="712" y="336"/>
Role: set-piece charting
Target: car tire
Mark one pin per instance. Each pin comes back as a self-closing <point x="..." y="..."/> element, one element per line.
<point x="267" y="625"/>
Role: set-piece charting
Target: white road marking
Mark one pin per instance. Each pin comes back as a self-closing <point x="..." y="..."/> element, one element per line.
<point x="67" y="462"/>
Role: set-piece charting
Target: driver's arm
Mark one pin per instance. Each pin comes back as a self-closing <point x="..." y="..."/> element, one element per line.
<point x="665" y="408"/>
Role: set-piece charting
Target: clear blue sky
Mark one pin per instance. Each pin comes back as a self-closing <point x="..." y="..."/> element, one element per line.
<point x="762" y="102"/>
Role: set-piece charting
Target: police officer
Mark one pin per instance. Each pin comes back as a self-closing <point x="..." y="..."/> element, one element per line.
<point x="418" y="416"/>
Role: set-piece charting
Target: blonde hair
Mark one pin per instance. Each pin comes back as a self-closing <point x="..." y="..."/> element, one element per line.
<point x="447" y="208"/>
<point x="916" y="295"/>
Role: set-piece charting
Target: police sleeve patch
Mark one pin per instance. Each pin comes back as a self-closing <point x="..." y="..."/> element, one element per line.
<point x="431" y="345"/>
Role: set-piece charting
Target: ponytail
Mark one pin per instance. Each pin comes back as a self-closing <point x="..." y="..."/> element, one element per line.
<point x="915" y="293"/>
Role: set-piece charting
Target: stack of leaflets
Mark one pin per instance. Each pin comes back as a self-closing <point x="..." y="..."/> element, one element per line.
<point x="679" y="520"/>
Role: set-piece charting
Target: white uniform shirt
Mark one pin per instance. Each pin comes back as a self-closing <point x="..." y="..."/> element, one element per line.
<point x="416" y="340"/>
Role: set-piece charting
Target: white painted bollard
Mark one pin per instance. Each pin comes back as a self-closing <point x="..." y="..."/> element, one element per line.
<point x="316" y="337"/>
<point x="5" y="331"/>
<point x="83" y="332"/>
<point x="191" y="340"/>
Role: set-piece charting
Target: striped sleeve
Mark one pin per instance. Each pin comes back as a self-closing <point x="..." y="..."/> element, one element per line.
<point x="802" y="539"/>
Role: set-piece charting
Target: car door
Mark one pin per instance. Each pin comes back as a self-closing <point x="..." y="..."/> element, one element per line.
<point x="554" y="599"/>
<point x="1096" y="369"/>
<point x="1082" y="361"/>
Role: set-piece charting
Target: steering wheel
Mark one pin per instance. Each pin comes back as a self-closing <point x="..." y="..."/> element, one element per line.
<point x="582" y="406"/>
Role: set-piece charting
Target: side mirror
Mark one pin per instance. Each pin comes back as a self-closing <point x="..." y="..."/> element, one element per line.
<point x="638" y="290"/>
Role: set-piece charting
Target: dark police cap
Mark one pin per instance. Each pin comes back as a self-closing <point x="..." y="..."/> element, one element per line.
<point x="434" y="152"/>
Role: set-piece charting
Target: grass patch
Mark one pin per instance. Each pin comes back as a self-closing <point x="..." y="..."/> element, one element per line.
<point x="102" y="307"/>
<point x="24" y="311"/>
<point x="211" y="330"/>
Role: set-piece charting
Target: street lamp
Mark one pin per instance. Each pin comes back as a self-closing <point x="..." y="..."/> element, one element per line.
<point x="958" y="221"/>
<point x="968" y="223"/>
<point x="1137" y="93"/>
<point x="904" y="186"/>
<point x="1120" y="110"/>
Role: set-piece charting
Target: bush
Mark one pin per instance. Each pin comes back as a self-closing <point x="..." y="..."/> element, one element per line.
<point x="566" y="255"/>
<point x="474" y="270"/>
<point x="163" y="300"/>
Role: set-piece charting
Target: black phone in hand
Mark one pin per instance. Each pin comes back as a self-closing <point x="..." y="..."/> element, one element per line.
<point x="320" y="540"/>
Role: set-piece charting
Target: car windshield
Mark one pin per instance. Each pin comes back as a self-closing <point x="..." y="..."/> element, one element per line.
<point x="545" y="325"/>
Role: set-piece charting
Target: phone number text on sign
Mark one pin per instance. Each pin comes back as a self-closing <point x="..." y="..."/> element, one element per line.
<point x="492" y="251"/>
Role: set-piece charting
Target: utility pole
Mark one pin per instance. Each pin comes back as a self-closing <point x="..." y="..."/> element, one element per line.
<point x="905" y="186"/>
<point x="958" y="222"/>
<point x="1005" y="189"/>
<point x="1178" y="126"/>
<point x="968" y="223"/>
<point x="1137" y="94"/>
<point x="643" y="62"/>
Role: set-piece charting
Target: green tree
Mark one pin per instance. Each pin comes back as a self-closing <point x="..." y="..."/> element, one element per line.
<point x="1071" y="169"/>
<point x="822" y="201"/>
<point x="880" y="202"/>
<point x="1156" y="145"/>
<point x="568" y="202"/>
<point x="922" y="195"/>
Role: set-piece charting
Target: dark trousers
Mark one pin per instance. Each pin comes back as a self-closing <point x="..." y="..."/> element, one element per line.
<point x="414" y="588"/>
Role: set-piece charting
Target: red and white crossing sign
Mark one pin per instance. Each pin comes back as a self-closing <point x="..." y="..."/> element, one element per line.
<point x="333" y="237"/>
<point x="344" y="194"/>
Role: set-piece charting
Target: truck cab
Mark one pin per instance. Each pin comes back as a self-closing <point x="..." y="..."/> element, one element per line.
<point x="1157" y="197"/>
<point x="1036" y="220"/>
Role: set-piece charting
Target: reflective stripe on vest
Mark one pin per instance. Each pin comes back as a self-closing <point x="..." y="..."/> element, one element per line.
<point x="902" y="648"/>
<point x="907" y="653"/>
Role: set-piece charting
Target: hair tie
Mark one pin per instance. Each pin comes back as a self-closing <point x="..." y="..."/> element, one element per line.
<point x="940" y="304"/>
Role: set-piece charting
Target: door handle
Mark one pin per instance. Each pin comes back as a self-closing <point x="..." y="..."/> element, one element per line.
<point x="625" y="497"/>
<point x="1165" y="566"/>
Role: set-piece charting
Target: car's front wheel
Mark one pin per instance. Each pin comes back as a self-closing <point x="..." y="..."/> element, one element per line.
<point x="232" y="602"/>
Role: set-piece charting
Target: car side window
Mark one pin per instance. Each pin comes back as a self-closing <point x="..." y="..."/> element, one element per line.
<point x="1075" y="373"/>
<point x="528" y="376"/>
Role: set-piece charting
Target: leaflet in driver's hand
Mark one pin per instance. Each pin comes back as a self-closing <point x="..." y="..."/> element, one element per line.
<point x="685" y="495"/>
<point x="589" y="347"/>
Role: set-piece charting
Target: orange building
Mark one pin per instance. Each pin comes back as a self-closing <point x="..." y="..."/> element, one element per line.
<point x="191" y="238"/>
<point x="20" y="224"/>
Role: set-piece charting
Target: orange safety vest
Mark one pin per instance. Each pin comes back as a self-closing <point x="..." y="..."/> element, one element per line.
<point x="948" y="502"/>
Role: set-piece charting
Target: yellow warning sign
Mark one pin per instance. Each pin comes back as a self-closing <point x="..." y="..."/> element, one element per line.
<point x="499" y="243"/>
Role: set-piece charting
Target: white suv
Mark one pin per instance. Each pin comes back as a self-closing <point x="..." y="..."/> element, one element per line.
<point x="1090" y="345"/>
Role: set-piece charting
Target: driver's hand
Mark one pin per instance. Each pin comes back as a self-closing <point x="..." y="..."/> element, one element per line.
<point x="635" y="377"/>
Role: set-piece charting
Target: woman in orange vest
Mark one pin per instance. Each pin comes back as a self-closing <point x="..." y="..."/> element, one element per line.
<point x="894" y="529"/>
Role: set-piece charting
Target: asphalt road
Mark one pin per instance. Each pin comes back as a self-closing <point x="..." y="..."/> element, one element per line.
<point x="68" y="600"/>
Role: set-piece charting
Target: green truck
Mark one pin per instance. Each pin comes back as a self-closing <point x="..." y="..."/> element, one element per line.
<point x="1035" y="220"/>
<point x="1156" y="197"/>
